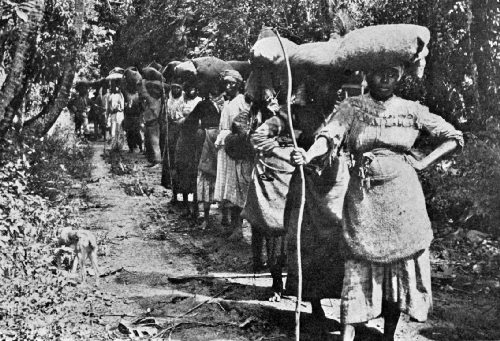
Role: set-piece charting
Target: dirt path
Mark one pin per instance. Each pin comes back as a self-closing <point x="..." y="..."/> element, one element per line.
<point x="145" y="236"/>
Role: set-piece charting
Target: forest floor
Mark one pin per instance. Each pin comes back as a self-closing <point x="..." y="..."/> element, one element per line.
<point x="145" y="245"/>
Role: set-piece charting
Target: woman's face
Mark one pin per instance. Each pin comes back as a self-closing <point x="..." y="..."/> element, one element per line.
<point x="191" y="92"/>
<point x="382" y="83"/>
<point x="176" y="91"/>
<point x="231" y="88"/>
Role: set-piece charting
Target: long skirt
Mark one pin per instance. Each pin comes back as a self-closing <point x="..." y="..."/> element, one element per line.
<point x="187" y="158"/>
<point x="321" y="232"/>
<point x="117" y="133"/>
<point x="169" y="172"/>
<point x="267" y="193"/>
<point x="406" y="283"/>
<point x="132" y="127"/>
<point x="233" y="179"/>
<point x="207" y="167"/>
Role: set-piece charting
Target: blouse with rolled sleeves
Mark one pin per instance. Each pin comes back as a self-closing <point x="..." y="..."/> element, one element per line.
<point x="385" y="219"/>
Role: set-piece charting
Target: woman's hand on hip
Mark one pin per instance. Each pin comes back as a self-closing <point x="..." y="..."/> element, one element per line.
<point x="418" y="165"/>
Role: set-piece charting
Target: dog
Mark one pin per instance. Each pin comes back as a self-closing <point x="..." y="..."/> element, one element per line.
<point x="84" y="245"/>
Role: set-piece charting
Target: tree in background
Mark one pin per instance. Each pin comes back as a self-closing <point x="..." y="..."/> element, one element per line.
<point x="464" y="60"/>
<point x="63" y="37"/>
<point x="19" y="27"/>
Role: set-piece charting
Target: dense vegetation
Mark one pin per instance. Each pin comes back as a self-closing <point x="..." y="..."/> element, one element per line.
<point x="46" y="45"/>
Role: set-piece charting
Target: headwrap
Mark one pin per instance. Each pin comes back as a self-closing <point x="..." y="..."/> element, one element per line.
<point x="232" y="76"/>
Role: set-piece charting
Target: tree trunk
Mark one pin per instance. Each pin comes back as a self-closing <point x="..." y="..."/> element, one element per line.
<point x="482" y="54"/>
<point x="60" y="97"/>
<point x="472" y="61"/>
<point x="16" y="75"/>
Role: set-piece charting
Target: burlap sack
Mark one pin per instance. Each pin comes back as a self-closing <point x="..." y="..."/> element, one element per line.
<point x="243" y="67"/>
<point x="151" y="74"/>
<point x="373" y="47"/>
<point x="268" y="51"/>
<point x="209" y="68"/>
<point x="185" y="69"/>
<point x="316" y="55"/>
<point x="169" y="70"/>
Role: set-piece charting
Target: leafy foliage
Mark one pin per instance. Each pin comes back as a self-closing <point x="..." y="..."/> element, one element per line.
<point x="464" y="191"/>
<point x="37" y="299"/>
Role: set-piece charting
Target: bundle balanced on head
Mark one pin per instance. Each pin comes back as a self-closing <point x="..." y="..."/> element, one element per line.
<point x="386" y="229"/>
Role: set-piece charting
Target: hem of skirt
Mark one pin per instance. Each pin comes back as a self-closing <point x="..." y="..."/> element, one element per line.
<point x="349" y="254"/>
<point x="420" y="318"/>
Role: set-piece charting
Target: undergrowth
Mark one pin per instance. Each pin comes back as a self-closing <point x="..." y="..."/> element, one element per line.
<point x="463" y="191"/>
<point x="38" y="301"/>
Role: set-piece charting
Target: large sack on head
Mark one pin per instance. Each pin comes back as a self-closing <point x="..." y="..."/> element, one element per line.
<point x="316" y="55"/>
<point x="268" y="51"/>
<point x="156" y="66"/>
<point x="243" y="67"/>
<point x="372" y="47"/>
<point x="209" y="68"/>
<point x="131" y="78"/>
<point x="186" y="70"/>
<point x="169" y="70"/>
<point x="151" y="74"/>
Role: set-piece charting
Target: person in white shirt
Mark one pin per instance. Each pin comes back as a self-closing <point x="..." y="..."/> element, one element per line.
<point x="114" y="112"/>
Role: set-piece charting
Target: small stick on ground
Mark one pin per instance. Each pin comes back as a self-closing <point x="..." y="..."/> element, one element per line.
<point x="183" y="279"/>
<point x="112" y="272"/>
<point x="117" y="315"/>
<point x="206" y="301"/>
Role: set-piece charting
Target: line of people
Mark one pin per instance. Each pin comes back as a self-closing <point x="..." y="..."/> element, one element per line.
<point x="365" y="234"/>
<point x="366" y="231"/>
<point x="113" y="116"/>
<point x="194" y="160"/>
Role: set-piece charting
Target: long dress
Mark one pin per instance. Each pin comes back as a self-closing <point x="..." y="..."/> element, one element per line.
<point x="187" y="151"/>
<point x="202" y="125"/>
<point x="274" y="198"/>
<point x="386" y="229"/>
<point x="169" y="140"/>
<point x="132" y="121"/>
<point x="233" y="176"/>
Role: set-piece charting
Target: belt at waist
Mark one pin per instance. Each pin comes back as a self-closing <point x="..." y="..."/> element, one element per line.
<point x="378" y="166"/>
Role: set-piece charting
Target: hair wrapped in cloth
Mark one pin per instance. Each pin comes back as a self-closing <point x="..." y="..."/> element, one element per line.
<point x="231" y="76"/>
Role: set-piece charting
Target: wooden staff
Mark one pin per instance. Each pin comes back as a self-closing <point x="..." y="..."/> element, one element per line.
<point x="302" y="194"/>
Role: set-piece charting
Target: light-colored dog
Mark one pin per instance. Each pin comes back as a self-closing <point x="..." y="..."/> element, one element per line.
<point x="84" y="245"/>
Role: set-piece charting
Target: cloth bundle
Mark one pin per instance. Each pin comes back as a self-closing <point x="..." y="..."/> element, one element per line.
<point x="151" y="74"/>
<point x="373" y="47"/>
<point x="169" y="70"/>
<point x="132" y="78"/>
<point x="243" y="67"/>
<point x="268" y="51"/>
<point x="202" y="71"/>
<point x="209" y="68"/>
<point x="363" y="49"/>
<point x="315" y="55"/>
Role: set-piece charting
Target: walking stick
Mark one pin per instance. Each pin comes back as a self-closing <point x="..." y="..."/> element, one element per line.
<point x="163" y="112"/>
<point x="302" y="193"/>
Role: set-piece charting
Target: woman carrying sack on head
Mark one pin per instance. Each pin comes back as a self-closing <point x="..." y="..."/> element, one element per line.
<point x="233" y="176"/>
<point x="386" y="229"/>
